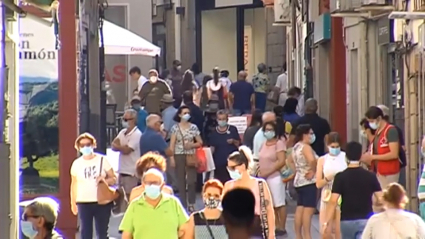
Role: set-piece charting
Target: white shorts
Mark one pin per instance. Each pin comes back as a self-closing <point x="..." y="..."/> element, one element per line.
<point x="278" y="191"/>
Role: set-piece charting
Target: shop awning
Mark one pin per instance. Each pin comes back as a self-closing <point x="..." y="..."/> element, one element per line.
<point x="120" y="41"/>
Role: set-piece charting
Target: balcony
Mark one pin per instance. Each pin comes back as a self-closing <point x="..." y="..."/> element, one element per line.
<point x="361" y="8"/>
<point x="419" y="5"/>
<point x="380" y="6"/>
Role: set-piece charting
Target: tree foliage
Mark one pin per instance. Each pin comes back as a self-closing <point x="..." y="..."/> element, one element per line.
<point x="40" y="127"/>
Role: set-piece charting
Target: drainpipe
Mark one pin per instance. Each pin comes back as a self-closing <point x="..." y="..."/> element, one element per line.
<point x="178" y="30"/>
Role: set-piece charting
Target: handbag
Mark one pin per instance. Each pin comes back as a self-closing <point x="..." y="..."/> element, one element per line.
<point x="191" y="159"/>
<point x="202" y="160"/>
<point x="105" y="193"/>
<point x="201" y="214"/>
<point x="263" y="211"/>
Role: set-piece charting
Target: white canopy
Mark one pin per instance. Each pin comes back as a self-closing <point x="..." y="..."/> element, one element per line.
<point x="120" y="41"/>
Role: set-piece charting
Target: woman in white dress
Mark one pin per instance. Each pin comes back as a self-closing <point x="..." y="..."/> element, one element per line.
<point x="394" y="222"/>
<point x="327" y="167"/>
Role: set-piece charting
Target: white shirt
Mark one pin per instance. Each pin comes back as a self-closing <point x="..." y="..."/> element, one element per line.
<point x="394" y="224"/>
<point x="142" y="80"/>
<point x="259" y="140"/>
<point x="300" y="106"/>
<point x="127" y="163"/>
<point x="334" y="164"/>
<point x="86" y="172"/>
<point x="282" y="84"/>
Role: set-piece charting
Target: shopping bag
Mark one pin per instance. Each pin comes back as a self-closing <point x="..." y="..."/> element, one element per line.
<point x="210" y="159"/>
<point x="202" y="160"/>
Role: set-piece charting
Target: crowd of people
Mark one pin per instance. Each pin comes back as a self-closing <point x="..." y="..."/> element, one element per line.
<point x="287" y="153"/>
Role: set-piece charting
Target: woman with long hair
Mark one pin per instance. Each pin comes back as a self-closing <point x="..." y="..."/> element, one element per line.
<point x="146" y="162"/>
<point x="238" y="165"/>
<point x="303" y="161"/>
<point x="254" y="126"/>
<point x="216" y="87"/>
<point x="327" y="167"/>
<point x="204" y="98"/>
<point x="185" y="138"/>
<point x="272" y="158"/>
<point x="189" y="84"/>
<point x="394" y="222"/>
<point x="207" y="223"/>
<point x="87" y="172"/>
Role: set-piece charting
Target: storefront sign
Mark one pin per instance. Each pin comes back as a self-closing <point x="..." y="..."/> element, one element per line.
<point x="385" y="31"/>
<point x="240" y="122"/>
<point x="282" y="11"/>
<point x="247" y="44"/>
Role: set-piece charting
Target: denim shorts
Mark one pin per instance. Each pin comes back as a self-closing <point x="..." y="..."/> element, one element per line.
<point x="307" y="195"/>
<point x="352" y="229"/>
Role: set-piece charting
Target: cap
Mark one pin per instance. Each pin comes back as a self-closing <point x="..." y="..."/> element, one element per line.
<point x="136" y="97"/>
<point x="384" y="109"/>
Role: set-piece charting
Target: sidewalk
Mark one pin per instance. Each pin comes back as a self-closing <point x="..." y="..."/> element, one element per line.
<point x="315" y="231"/>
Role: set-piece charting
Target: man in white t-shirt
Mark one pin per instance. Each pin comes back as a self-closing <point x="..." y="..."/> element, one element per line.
<point x="127" y="143"/>
<point x="282" y="84"/>
<point x="136" y="75"/>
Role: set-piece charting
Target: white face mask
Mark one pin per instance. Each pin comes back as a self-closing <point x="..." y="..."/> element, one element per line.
<point x="179" y="67"/>
<point x="153" y="79"/>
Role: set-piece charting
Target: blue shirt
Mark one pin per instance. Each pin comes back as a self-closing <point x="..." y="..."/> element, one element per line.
<point x="151" y="140"/>
<point x="141" y="119"/>
<point x="259" y="140"/>
<point x="242" y="92"/>
<point x="291" y="118"/>
<point x="167" y="117"/>
<point x="222" y="149"/>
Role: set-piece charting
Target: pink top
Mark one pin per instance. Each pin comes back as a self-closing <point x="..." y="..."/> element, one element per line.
<point x="267" y="156"/>
<point x="255" y="191"/>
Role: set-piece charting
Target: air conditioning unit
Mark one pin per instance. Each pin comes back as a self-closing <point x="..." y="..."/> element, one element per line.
<point x="377" y="2"/>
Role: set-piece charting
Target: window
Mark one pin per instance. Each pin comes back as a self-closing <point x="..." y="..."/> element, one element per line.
<point x="159" y="39"/>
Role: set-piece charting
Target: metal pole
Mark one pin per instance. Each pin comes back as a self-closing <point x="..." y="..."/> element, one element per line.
<point x="6" y="224"/>
<point x="83" y="86"/>
<point x="102" y="140"/>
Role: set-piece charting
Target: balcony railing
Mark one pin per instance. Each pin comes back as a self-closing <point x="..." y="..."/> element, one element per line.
<point x="344" y="5"/>
<point x="419" y="5"/>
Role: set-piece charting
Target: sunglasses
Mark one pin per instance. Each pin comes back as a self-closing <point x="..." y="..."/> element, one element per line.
<point x="129" y="119"/>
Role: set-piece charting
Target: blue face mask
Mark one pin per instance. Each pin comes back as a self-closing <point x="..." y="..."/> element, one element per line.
<point x="222" y="123"/>
<point x="269" y="134"/>
<point x="153" y="191"/>
<point x="234" y="174"/>
<point x="373" y="125"/>
<point x="28" y="230"/>
<point x="312" y="138"/>
<point x="136" y="106"/>
<point x="186" y="117"/>
<point x="87" y="150"/>
<point x="334" y="151"/>
<point x="124" y="124"/>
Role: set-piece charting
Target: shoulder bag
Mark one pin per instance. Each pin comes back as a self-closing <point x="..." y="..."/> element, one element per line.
<point x="191" y="159"/>
<point x="201" y="214"/>
<point x="263" y="211"/>
<point x="105" y="193"/>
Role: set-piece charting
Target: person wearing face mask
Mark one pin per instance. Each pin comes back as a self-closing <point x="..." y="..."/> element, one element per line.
<point x="185" y="138"/>
<point x="384" y="158"/>
<point x="208" y="222"/>
<point x="303" y="161"/>
<point x="154" y="214"/>
<point x="87" y="172"/>
<point x="272" y="159"/>
<point x="127" y="145"/>
<point x="327" y="167"/>
<point x="238" y="165"/>
<point x="421" y="186"/>
<point x="136" y="104"/>
<point x="151" y="93"/>
<point x="224" y="140"/>
<point x="39" y="218"/>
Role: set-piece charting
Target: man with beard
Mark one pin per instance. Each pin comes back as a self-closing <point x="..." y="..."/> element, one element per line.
<point x="176" y="77"/>
<point x="152" y="93"/>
